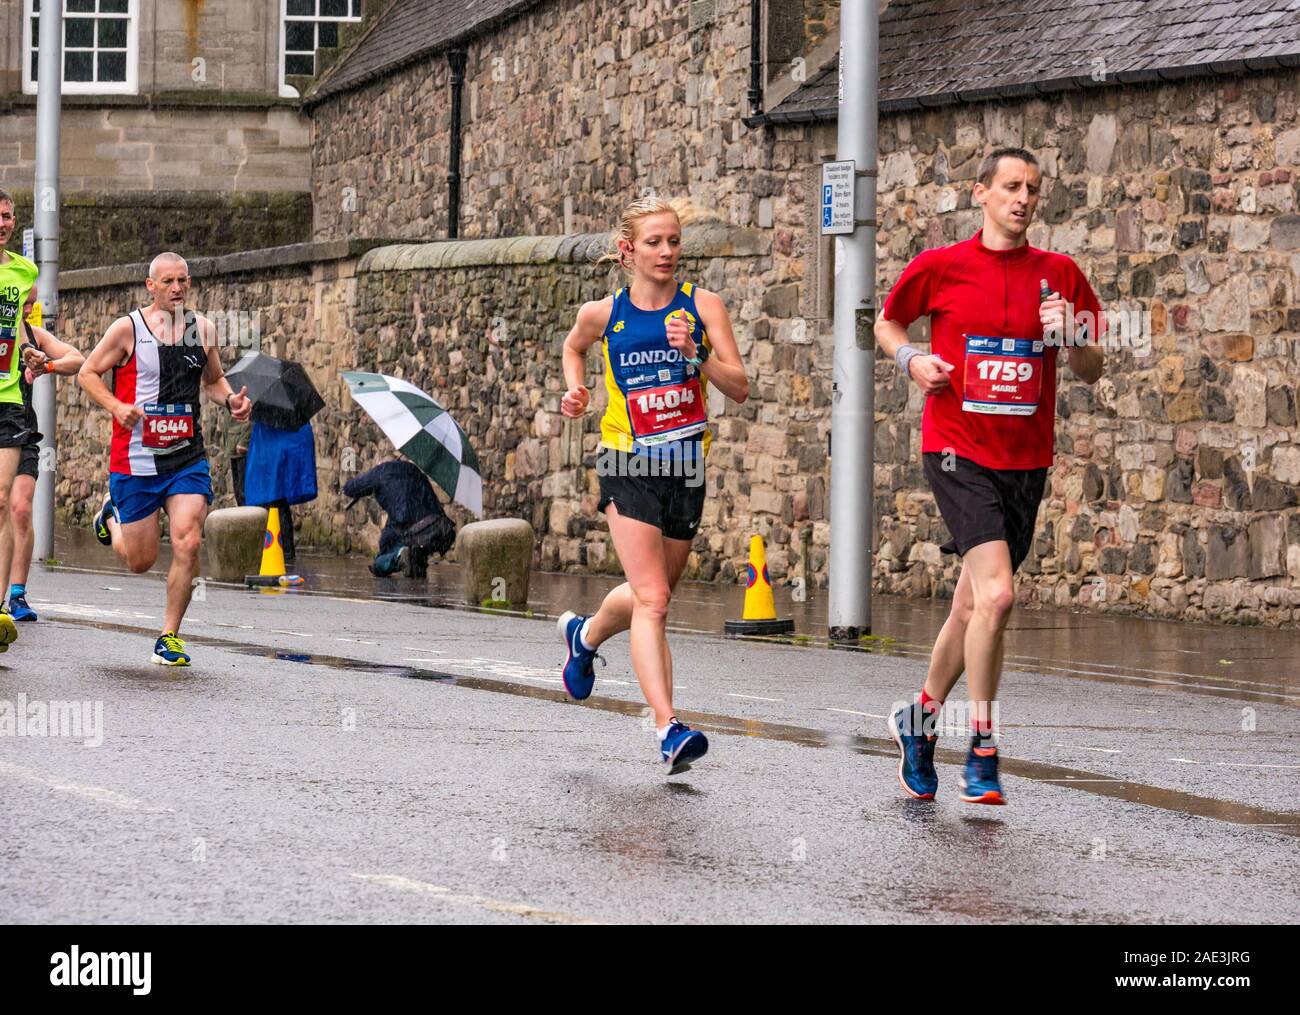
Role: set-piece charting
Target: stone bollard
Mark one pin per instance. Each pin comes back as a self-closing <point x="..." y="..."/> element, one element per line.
<point x="233" y="538"/>
<point x="496" y="557"/>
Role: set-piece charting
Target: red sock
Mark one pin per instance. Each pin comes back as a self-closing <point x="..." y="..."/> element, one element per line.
<point x="929" y="704"/>
<point x="982" y="728"/>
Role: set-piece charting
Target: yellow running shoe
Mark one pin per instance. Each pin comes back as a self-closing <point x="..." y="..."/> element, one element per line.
<point x="8" y="630"/>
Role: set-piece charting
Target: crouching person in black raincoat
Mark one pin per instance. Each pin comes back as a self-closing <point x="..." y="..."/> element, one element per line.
<point x="417" y="526"/>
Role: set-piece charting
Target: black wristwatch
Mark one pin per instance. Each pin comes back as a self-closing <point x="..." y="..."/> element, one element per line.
<point x="701" y="356"/>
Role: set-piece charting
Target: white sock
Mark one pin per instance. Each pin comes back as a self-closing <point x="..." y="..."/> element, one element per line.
<point x="582" y="635"/>
<point x="663" y="730"/>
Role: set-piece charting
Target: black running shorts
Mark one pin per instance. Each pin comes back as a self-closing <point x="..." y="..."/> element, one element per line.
<point x="30" y="463"/>
<point x="14" y="428"/>
<point x="638" y="486"/>
<point x="982" y="505"/>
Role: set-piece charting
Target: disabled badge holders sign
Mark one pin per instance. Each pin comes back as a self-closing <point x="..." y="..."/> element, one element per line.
<point x="1003" y="376"/>
<point x="837" y="197"/>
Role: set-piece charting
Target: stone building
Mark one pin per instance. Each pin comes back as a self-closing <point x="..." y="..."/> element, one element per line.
<point x="181" y="125"/>
<point x="499" y="143"/>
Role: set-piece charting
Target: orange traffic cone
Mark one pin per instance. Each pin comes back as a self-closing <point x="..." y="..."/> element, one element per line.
<point x="272" y="570"/>
<point x="760" y="605"/>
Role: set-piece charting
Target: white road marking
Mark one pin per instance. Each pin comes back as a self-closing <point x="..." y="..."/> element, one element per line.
<point x="96" y="793"/>
<point x="82" y="610"/>
<point x="502" y="668"/>
<point x="751" y="697"/>
<point x="473" y="901"/>
<point x="1236" y="687"/>
<point x="1075" y="781"/>
<point x="849" y="711"/>
<point x="1247" y="764"/>
<point x="1099" y="750"/>
<point x="296" y="634"/>
<point x="1185" y="761"/>
<point x="417" y="648"/>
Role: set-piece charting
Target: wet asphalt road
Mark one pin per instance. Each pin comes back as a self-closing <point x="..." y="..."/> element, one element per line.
<point x="333" y="760"/>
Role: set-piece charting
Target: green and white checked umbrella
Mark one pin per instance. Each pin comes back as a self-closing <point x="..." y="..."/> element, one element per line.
<point x="424" y="432"/>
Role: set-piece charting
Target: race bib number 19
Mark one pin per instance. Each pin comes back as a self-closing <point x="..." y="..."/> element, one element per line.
<point x="167" y="427"/>
<point x="1003" y="376"/>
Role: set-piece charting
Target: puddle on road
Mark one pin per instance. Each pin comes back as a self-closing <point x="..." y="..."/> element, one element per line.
<point x="149" y="674"/>
<point x="1089" y="782"/>
<point x="1251" y="664"/>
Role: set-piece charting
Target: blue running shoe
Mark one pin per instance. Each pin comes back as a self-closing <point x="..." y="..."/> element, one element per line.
<point x="681" y="746"/>
<point x="579" y="668"/>
<point x="916" y="772"/>
<point x="19" y="610"/>
<point x="100" y="523"/>
<point x="979" y="781"/>
<point x="169" y="650"/>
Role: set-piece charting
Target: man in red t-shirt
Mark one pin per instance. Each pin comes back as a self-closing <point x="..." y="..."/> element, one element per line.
<point x="999" y="310"/>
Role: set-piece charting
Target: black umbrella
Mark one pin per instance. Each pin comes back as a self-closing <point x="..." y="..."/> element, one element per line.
<point x="282" y="393"/>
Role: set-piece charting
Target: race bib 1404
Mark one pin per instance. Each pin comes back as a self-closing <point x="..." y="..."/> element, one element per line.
<point x="667" y="412"/>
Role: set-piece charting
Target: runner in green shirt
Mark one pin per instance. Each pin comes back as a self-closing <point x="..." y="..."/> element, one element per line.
<point x="17" y="277"/>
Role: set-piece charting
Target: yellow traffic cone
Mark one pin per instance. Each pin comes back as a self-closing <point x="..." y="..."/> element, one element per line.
<point x="760" y="605"/>
<point x="272" y="570"/>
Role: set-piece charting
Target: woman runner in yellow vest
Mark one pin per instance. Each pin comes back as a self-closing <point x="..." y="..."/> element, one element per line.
<point x="664" y="342"/>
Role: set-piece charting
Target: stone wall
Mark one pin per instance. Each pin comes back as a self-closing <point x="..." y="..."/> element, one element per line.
<point x="117" y="144"/>
<point x="477" y="324"/>
<point x="1177" y="485"/>
<point x="123" y="228"/>
<point x="645" y="96"/>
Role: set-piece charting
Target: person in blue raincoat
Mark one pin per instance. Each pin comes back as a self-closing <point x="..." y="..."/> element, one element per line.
<point x="281" y="472"/>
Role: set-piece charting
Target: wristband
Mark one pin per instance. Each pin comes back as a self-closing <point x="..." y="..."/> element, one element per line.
<point x="49" y="366"/>
<point x="904" y="357"/>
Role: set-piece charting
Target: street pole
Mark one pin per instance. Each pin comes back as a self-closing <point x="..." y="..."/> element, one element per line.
<point x="49" y="90"/>
<point x="853" y="395"/>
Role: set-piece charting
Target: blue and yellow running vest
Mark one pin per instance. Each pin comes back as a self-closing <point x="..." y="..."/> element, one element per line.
<point x="658" y="403"/>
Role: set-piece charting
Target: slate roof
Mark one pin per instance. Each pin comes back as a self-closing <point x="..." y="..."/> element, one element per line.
<point x="407" y="31"/>
<point x="937" y="52"/>
<point x="932" y="52"/>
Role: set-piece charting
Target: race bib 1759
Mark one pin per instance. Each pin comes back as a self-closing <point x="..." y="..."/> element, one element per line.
<point x="1003" y="376"/>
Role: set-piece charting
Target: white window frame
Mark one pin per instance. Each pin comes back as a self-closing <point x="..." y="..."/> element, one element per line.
<point x="128" y="87"/>
<point x="287" y="91"/>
